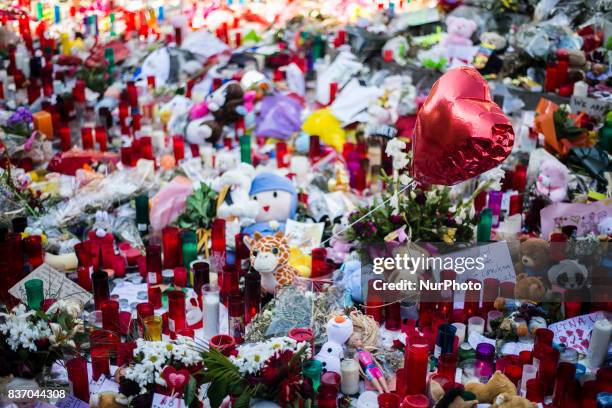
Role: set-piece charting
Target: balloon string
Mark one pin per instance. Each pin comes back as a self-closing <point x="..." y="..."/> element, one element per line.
<point x="367" y="214"/>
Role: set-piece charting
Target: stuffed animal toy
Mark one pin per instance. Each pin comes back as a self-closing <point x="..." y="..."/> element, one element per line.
<point x="552" y="180"/>
<point x="534" y="256"/>
<point x="568" y="274"/>
<point x="270" y="257"/>
<point x="487" y="60"/>
<point x="507" y="400"/>
<point x="340" y="245"/>
<point x="175" y="114"/>
<point x="459" y="31"/>
<point x="339" y="330"/>
<point x="203" y="130"/>
<point x="497" y="384"/>
<point x="454" y="398"/>
<point x="226" y="102"/>
<point x="604" y="227"/>
<point x="528" y="289"/>
<point x="107" y="399"/>
<point x="277" y="199"/>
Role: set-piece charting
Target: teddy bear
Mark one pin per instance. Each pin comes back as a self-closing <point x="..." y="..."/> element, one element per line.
<point x="459" y="31"/>
<point x="507" y="400"/>
<point x="568" y="274"/>
<point x="552" y="180"/>
<point x="339" y="330"/>
<point x="203" y="130"/>
<point x="175" y="114"/>
<point x="277" y="200"/>
<point x="534" y="257"/>
<point x="454" y="398"/>
<point x="528" y="289"/>
<point x="497" y="384"/>
<point x="339" y="242"/>
<point x="226" y="103"/>
<point x="487" y="60"/>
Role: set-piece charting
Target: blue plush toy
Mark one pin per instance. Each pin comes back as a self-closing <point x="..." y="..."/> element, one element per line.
<point x="277" y="199"/>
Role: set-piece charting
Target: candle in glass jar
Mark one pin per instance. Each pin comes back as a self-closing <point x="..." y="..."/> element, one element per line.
<point x="252" y="294"/>
<point x="485" y="353"/>
<point x="110" y="315"/>
<point x="34" y="293"/>
<point x="43" y="123"/>
<point x="154" y="264"/>
<point x="349" y="371"/>
<point x="236" y="316"/>
<point x="33" y="250"/>
<point x="153" y="328"/>
<point x="529" y="371"/>
<point x="211" y="301"/>
<point x="189" y="242"/>
<point x="416" y="366"/>
<point x="77" y="374"/>
<point x="460" y="333"/>
<point x="476" y="324"/>
<point x="201" y="275"/>
<point x="599" y="344"/>
<point x="218" y="245"/>
<point x="176" y="311"/>
<point x="100" y="362"/>
<point x="101" y="290"/>
<point x="171" y="247"/>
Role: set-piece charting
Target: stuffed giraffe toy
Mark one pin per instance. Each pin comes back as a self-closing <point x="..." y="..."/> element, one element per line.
<point x="270" y="257"/>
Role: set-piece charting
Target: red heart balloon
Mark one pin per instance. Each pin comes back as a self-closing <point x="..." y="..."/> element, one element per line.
<point x="176" y="380"/>
<point x="460" y="132"/>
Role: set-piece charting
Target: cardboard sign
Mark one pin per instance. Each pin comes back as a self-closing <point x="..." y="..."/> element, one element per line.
<point x="576" y="332"/>
<point x="593" y="107"/>
<point x="55" y="286"/>
<point x="584" y="217"/>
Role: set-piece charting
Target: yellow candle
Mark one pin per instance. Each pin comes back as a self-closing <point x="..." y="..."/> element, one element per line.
<point x="153" y="328"/>
<point x="43" y="123"/>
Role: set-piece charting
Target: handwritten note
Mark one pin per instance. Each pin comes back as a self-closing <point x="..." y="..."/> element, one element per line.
<point x="593" y="107"/>
<point x="304" y="236"/>
<point x="576" y="332"/>
<point x="166" y="401"/>
<point x="584" y="217"/>
<point x="71" y="402"/>
<point x="55" y="285"/>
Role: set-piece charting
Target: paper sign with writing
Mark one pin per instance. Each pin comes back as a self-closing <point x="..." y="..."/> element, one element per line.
<point x="71" y="402"/>
<point x="304" y="236"/>
<point x="584" y="217"/>
<point x="475" y="338"/>
<point x="166" y="401"/>
<point x="55" y="286"/>
<point x="576" y="332"/>
<point x="593" y="107"/>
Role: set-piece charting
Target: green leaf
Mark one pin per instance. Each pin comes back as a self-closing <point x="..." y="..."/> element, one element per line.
<point x="190" y="390"/>
<point x="217" y="393"/>
<point x="244" y="399"/>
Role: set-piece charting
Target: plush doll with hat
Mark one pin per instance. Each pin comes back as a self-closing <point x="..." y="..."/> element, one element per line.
<point x="277" y="200"/>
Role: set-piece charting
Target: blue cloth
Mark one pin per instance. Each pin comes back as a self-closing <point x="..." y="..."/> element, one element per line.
<point x="263" y="228"/>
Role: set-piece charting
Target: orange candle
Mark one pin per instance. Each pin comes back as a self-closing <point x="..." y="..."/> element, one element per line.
<point x="43" y="122"/>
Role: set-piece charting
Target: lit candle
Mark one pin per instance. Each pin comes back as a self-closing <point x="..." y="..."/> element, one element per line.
<point x="153" y="328"/>
<point x="485" y="353"/>
<point x="416" y="366"/>
<point x="43" y="123"/>
<point x="154" y="265"/>
<point x="171" y="247"/>
<point x="77" y="374"/>
<point x="349" y="371"/>
<point x="176" y="311"/>
<point x="218" y="245"/>
<point x="236" y="316"/>
<point x="100" y="362"/>
<point x="110" y="315"/>
<point x="252" y="294"/>
<point x="476" y="324"/>
<point x="211" y="300"/>
<point x="100" y="286"/>
<point x="599" y="344"/>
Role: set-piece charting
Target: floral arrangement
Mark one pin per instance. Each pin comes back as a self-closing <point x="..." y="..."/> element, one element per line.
<point x="19" y="122"/>
<point x="151" y="359"/>
<point x="270" y="370"/>
<point x="31" y="341"/>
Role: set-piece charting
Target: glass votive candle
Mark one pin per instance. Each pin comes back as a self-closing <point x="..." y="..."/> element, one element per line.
<point x="34" y="293"/>
<point x="153" y="328"/>
<point x="176" y="311"/>
<point x="485" y="354"/>
<point x="447" y="366"/>
<point x="415" y="401"/>
<point x="77" y="374"/>
<point x="535" y="391"/>
<point x="143" y="310"/>
<point x="460" y="332"/>
<point x="101" y="290"/>
<point x="154" y="296"/>
<point x="210" y="305"/>
<point x="331" y="378"/>
<point x="476" y="324"/>
<point x="514" y="373"/>
<point x="186" y="332"/>
<point x="34" y="251"/>
<point x="110" y="315"/>
<point x="180" y="277"/>
<point x="529" y="371"/>
<point x="492" y="315"/>
<point x="100" y="362"/>
<point x="388" y="400"/>
<point x="224" y="343"/>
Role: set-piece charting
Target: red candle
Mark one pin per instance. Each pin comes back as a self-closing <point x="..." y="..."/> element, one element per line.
<point x="101" y="138"/>
<point x="314" y="151"/>
<point x="87" y="140"/>
<point x="572" y="303"/>
<point x="178" y="147"/>
<point x="242" y="254"/>
<point x="546" y="374"/>
<point x="302" y="334"/>
<point x="101" y="290"/>
<point x="110" y="315"/>
<point x="506" y="290"/>
<point x="125" y="353"/>
<point x="154" y="296"/>
<point x="388" y="400"/>
<point x="218" y="245"/>
<point x="514" y="373"/>
<point x="33" y="250"/>
<point x="235" y="312"/>
<point x="415" y="401"/>
<point x="252" y="295"/>
<point x="516" y="204"/>
<point x="143" y="310"/>
<point x="65" y="138"/>
<point x="176" y="311"/>
<point x="535" y="390"/>
<point x="224" y="343"/>
<point x="472" y="300"/>
<point x="201" y="275"/>
<point x="100" y="362"/>
<point x="34" y="92"/>
<point x="519" y="180"/>
<point x="490" y="293"/>
<point x="171" y="243"/>
<point x="374" y="302"/>
<point x="83" y="278"/>
<point x="281" y="152"/>
<point x="318" y="263"/>
<point x="447" y="366"/>
<point x="77" y="374"/>
<point x="154" y="265"/>
<point x="416" y="361"/>
<point x="393" y="318"/>
<point x="180" y="277"/>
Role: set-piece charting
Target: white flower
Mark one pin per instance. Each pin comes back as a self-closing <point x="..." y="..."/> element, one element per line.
<point x="494" y="176"/>
<point x="22" y="332"/>
<point x="252" y="357"/>
<point x="395" y="149"/>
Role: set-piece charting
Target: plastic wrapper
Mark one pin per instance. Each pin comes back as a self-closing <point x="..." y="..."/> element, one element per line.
<point x="118" y="186"/>
<point x="543" y="39"/>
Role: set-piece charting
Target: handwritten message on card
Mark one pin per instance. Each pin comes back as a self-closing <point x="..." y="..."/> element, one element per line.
<point x="55" y="286"/>
<point x="576" y="332"/>
<point x="584" y="217"/>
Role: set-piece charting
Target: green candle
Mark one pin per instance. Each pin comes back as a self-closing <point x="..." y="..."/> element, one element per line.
<point x="112" y="25"/>
<point x="142" y="213"/>
<point x="312" y="369"/>
<point x="39" y="11"/>
<point x="190" y="248"/>
<point x="109" y="55"/>
<point x="483" y="232"/>
<point x="34" y="293"/>
<point x="245" y="149"/>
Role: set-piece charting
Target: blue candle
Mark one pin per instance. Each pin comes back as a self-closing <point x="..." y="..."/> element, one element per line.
<point x="56" y="14"/>
<point x="160" y="13"/>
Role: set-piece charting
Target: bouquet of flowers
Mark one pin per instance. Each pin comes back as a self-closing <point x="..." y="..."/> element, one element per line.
<point x="269" y="370"/>
<point x="163" y="367"/>
<point x="31" y="340"/>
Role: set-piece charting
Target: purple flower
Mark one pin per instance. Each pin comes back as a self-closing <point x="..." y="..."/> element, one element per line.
<point x="20" y="116"/>
<point x="450" y="223"/>
<point x="371" y="227"/>
<point x="420" y="198"/>
<point x="396" y="219"/>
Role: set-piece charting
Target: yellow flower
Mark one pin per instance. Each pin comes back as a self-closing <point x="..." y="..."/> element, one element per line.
<point x="449" y="236"/>
<point x="153" y="359"/>
<point x="169" y="347"/>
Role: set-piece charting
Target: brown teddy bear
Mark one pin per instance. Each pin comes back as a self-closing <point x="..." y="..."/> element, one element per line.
<point x="534" y="257"/>
<point x="507" y="400"/>
<point x="529" y="289"/>
<point x="497" y="384"/>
